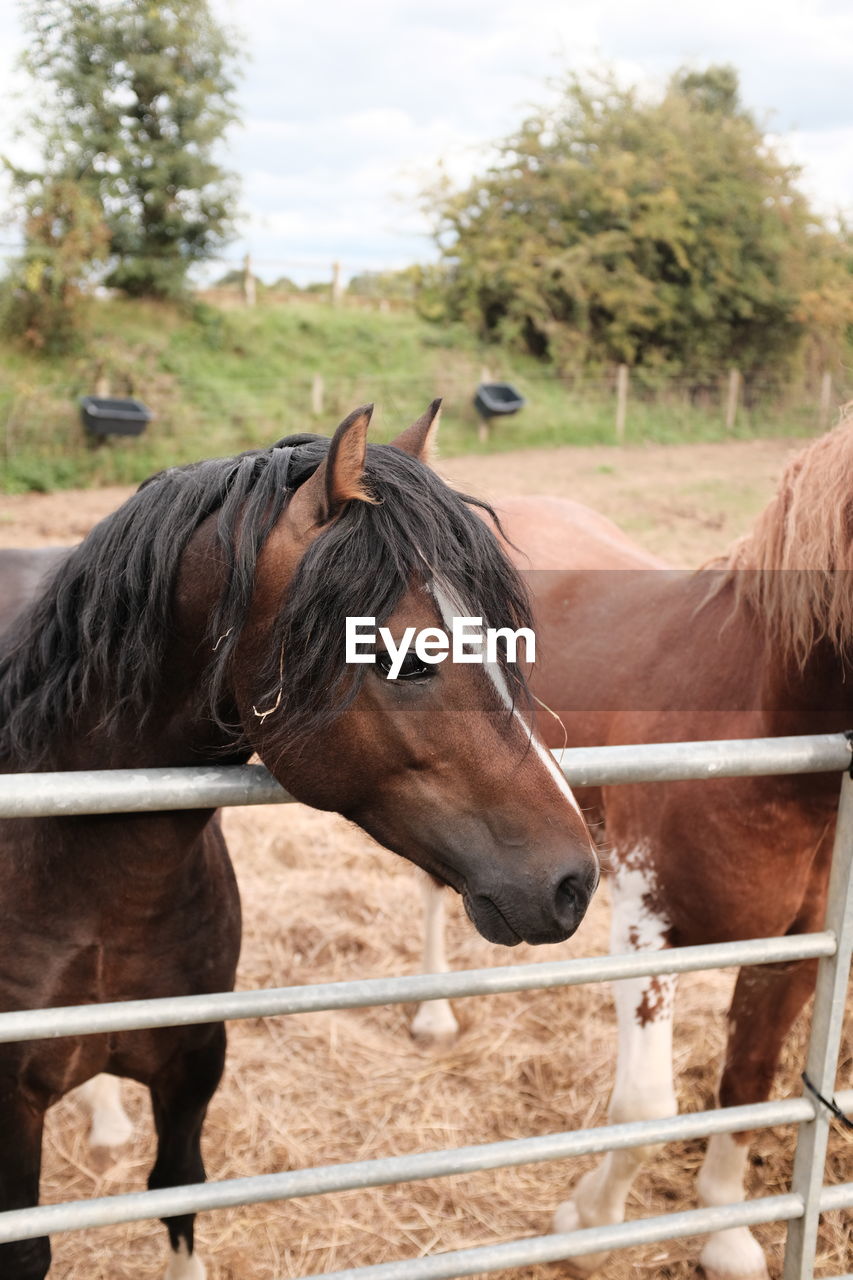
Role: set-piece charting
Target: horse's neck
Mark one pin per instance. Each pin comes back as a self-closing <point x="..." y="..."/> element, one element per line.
<point x="177" y="729"/>
<point x="816" y="697"/>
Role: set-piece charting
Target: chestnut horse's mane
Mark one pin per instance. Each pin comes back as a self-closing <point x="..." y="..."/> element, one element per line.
<point x="795" y="567"/>
<point x="96" y="638"/>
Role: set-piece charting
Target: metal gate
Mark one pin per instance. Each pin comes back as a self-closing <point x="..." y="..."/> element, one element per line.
<point x="122" y="791"/>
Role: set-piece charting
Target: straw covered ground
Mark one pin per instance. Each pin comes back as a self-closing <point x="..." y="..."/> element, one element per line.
<point x="321" y="902"/>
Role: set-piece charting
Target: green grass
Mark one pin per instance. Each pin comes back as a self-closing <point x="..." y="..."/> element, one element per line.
<point x="222" y="381"/>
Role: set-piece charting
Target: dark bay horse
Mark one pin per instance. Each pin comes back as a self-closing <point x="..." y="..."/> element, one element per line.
<point x="758" y="645"/>
<point x="203" y="621"/>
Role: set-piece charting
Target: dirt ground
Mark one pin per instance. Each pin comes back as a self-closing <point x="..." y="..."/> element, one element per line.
<point x="684" y="503"/>
<point x="321" y="902"/>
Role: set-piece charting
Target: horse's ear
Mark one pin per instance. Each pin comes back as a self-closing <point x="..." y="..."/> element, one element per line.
<point x="419" y="439"/>
<point x="340" y="476"/>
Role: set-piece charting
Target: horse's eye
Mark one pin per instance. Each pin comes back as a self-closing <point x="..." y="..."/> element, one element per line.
<point x="411" y="668"/>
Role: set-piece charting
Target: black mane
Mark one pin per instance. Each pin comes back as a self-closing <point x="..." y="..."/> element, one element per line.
<point x="96" y="639"/>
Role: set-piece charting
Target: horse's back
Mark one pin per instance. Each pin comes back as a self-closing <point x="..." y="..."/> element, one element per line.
<point x="620" y="629"/>
<point x="558" y="533"/>
<point x="22" y="572"/>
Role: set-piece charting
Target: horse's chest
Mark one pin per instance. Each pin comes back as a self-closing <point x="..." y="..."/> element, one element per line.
<point x="114" y="936"/>
<point x="173" y="945"/>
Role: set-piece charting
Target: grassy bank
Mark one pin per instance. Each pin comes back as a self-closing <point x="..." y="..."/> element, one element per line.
<point x="222" y="381"/>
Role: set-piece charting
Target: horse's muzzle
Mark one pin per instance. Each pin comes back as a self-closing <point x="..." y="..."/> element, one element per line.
<point x="508" y="914"/>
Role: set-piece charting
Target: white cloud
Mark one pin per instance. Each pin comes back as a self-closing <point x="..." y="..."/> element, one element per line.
<point x="826" y="157"/>
<point x="349" y="108"/>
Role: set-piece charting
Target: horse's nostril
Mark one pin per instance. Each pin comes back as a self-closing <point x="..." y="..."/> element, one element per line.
<point x="567" y="893"/>
<point x="570" y="900"/>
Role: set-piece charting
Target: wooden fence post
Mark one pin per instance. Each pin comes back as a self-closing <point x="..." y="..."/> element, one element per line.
<point x="621" y="402"/>
<point x="732" y="398"/>
<point x="317" y="390"/>
<point x="337" y="288"/>
<point x="825" y="403"/>
<point x="249" y="293"/>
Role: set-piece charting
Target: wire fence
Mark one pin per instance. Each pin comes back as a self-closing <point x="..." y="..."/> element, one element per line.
<point x="244" y="406"/>
<point x="227" y="403"/>
<point x="217" y="388"/>
<point x="97" y="792"/>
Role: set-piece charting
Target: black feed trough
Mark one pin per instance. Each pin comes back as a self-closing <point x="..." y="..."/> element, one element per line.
<point x="497" y="399"/>
<point x="111" y="416"/>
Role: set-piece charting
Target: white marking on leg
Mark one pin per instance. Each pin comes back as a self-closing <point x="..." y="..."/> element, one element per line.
<point x="636" y="923"/>
<point x="434" y="1023"/>
<point x="644" y="1086"/>
<point x="735" y="1252"/>
<point x="643" y="1089"/>
<point x="184" y="1265"/>
<point x="110" y="1124"/>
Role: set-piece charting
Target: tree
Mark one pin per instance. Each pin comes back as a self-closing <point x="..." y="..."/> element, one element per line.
<point x="65" y="237"/>
<point x="665" y="234"/>
<point x="140" y="94"/>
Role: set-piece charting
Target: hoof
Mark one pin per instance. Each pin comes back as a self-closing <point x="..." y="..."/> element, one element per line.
<point x="733" y="1254"/>
<point x="566" y="1218"/>
<point x="711" y="1274"/>
<point x="185" y="1266"/>
<point x="434" y="1026"/>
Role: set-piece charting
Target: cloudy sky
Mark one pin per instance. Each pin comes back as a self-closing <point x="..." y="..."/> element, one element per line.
<point x="348" y="107"/>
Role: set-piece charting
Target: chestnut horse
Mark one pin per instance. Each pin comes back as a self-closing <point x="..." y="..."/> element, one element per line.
<point x="205" y="620"/>
<point x="757" y="646"/>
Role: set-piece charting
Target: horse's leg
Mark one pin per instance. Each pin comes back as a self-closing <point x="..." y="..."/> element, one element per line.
<point x="644" y="1086"/>
<point x="766" y="1001"/>
<point x="434" y="1023"/>
<point x="110" y="1126"/>
<point x="180" y="1094"/>
<point x="20" y="1166"/>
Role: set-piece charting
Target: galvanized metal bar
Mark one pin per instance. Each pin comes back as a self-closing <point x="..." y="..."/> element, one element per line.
<point x="556" y="1248"/>
<point x="838" y="1197"/>
<point x="60" y="795"/>
<point x="129" y="1015"/>
<point x="142" y="790"/>
<point x="575" y="1244"/>
<point x="21" y="1224"/>
<point x="824" y="1045"/>
<point x="672" y="761"/>
<point x="541" y="1249"/>
<point x="146" y="790"/>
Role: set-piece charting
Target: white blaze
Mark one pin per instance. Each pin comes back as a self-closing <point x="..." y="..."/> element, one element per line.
<point x="450" y="609"/>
